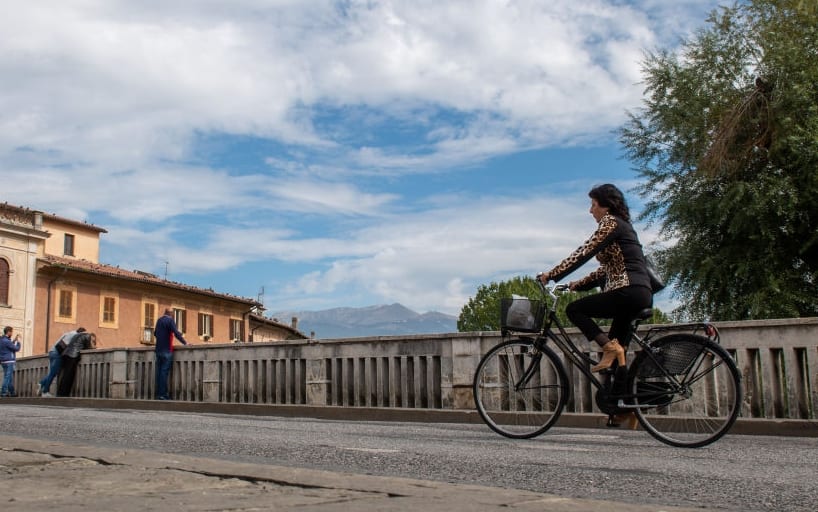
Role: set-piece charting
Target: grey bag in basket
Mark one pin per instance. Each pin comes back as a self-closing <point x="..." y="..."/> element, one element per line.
<point x="519" y="313"/>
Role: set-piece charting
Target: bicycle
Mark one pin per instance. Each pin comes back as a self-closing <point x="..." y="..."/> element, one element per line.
<point x="683" y="387"/>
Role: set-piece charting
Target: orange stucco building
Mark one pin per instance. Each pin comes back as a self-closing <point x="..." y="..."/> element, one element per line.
<point x="51" y="281"/>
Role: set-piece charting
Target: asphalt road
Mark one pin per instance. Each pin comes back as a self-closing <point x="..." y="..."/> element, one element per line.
<point x="746" y="473"/>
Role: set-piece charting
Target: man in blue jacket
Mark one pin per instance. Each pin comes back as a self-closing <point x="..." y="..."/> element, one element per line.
<point x="8" y="358"/>
<point x="164" y="332"/>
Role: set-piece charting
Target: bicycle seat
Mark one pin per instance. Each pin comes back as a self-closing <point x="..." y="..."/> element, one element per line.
<point x="644" y="314"/>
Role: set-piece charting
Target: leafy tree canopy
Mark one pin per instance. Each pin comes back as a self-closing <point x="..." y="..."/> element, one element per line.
<point x="727" y="146"/>
<point x="482" y="312"/>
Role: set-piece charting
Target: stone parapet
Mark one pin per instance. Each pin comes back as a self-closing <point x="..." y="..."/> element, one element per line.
<point x="778" y="360"/>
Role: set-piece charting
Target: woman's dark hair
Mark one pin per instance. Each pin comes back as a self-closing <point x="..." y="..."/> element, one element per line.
<point x="608" y="196"/>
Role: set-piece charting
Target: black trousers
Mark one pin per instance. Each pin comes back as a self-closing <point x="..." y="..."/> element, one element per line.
<point x="67" y="374"/>
<point x="621" y="305"/>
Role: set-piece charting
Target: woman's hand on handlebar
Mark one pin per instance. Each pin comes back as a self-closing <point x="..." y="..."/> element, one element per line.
<point x="543" y="279"/>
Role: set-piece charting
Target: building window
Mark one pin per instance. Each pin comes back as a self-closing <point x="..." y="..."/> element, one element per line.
<point x="148" y="314"/>
<point x="148" y="322"/>
<point x="5" y="278"/>
<point x="68" y="245"/>
<point x="109" y="310"/>
<point x="236" y="330"/>
<point x="65" y="310"/>
<point x="205" y="325"/>
<point x="66" y="304"/>
<point x="180" y="317"/>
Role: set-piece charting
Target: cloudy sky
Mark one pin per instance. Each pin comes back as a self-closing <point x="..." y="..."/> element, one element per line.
<point x="319" y="154"/>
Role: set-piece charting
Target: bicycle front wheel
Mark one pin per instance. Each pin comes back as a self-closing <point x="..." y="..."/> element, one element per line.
<point x="520" y="390"/>
<point x="690" y="390"/>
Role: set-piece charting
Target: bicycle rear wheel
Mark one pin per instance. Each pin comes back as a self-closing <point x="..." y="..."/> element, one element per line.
<point x="700" y="400"/>
<point x="520" y="390"/>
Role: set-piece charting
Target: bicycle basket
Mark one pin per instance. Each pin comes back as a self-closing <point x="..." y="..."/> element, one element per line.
<point x="676" y="358"/>
<point x="521" y="314"/>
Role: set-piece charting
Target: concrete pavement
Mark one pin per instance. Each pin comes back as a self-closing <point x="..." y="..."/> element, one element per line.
<point x="44" y="475"/>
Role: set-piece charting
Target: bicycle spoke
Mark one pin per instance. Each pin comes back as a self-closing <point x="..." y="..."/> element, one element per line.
<point x="699" y="408"/>
<point x="696" y="377"/>
<point x="519" y="391"/>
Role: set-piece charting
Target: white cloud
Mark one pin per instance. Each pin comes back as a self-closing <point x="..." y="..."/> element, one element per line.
<point x="426" y="259"/>
<point x="435" y="259"/>
<point x="120" y="82"/>
<point x="327" y="197"/>
<point x="109" y="108"/>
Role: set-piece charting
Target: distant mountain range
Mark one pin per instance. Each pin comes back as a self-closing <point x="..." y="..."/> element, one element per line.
<point x="384" y="320"/>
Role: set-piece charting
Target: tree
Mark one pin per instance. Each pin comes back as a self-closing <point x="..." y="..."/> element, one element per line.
<point x="482" y="312"/>
<point x="727" y="146"/>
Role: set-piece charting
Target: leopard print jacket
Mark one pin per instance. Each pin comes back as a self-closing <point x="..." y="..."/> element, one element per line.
<point x="616" y="246"/>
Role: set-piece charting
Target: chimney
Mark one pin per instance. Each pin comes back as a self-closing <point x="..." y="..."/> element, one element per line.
<point x="294" y="323"/>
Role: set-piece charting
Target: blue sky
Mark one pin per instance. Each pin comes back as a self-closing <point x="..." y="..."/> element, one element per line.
<point x="330" y="153"/>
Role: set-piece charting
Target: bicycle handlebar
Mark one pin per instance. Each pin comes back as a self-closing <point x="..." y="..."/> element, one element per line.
<point x="555" y="287"/>
<point x="551" y="291"/>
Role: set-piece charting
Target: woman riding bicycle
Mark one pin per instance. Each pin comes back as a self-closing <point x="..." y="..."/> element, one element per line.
<point x="623" y="276"/>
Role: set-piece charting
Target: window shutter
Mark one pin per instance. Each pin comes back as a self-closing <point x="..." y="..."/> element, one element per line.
<point x="4" y="281"/>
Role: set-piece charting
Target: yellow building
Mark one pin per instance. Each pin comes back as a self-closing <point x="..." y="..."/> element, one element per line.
<point x="51" y="281"/>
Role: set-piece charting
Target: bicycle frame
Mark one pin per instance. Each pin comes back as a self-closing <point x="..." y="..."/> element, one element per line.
<point x="582" y="362"/>
<point x="561" y="339"/>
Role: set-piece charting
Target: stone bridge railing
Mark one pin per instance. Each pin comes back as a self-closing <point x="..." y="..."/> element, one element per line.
<point x="778" y="360"/>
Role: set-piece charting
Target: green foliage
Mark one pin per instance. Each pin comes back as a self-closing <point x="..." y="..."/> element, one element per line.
<point x="659" y="317"/>
<point x="482" y="312"/>
<point x="727" y="146"/>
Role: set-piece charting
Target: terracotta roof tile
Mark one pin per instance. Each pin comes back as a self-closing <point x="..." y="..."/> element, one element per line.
<point x="136" y="275"/>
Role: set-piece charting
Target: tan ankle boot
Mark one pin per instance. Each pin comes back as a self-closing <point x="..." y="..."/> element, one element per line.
<point x="610" y="351"/>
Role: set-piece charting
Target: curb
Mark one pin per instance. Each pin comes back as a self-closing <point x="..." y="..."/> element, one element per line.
<point x="743" y="426"/>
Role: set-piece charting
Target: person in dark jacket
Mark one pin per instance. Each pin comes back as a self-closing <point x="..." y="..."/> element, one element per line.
<point x="164" y="332"/>
<point x="8" y="358"/>
<point x="55" y="362"/>
<point x="71" y="359"/>
<point x="622" y="275"/>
